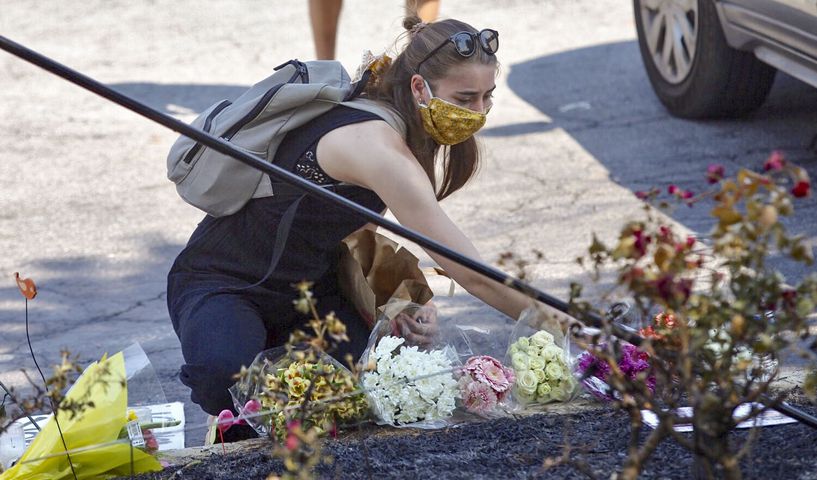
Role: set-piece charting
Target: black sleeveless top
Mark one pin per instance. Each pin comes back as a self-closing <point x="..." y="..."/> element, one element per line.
<point x="236" y="250"/>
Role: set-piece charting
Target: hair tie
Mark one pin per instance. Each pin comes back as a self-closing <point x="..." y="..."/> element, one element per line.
<point x="417" y="28"/>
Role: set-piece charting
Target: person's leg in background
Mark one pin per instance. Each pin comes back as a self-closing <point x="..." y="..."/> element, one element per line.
<point x="324" y="16"/>
<point x="427" y="10"/>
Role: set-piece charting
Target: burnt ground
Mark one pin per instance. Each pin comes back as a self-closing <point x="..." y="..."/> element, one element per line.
<point x="512" y="448"/>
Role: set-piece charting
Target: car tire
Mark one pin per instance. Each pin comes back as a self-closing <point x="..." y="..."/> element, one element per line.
<point x="710" y="80"/>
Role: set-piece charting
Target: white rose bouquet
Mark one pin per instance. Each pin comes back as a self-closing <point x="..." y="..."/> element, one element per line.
<point x="408" y="385"/>
<point x="543" y="371"/>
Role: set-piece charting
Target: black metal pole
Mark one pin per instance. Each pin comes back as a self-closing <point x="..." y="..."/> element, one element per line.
<point x="290" y="178"/>
<point x="221" y="145"/>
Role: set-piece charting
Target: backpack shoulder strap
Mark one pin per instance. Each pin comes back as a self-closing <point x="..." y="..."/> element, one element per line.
<point x="382" y="110"/>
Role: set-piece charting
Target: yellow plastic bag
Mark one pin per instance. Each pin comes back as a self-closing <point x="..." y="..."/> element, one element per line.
<point x="94" y="430"/>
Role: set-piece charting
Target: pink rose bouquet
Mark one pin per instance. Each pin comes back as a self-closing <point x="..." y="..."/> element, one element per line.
<point x="484" y="385"/>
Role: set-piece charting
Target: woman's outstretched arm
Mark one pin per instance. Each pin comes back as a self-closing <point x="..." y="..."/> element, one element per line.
<point x="372" y="155"/>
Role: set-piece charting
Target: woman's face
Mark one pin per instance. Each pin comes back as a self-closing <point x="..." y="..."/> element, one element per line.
<point x="470" y="85"/>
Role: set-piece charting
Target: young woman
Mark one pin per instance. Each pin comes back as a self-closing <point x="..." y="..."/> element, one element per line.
<point x="441" y="85"/>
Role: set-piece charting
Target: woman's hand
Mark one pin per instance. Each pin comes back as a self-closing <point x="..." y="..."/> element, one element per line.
<point x="419" y="328"/>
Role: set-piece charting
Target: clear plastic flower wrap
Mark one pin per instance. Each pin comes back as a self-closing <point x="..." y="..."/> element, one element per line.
<point x="103" y="432"/>
<point x="539" y="352"/>
<point x="408" y="373"/>
<point x="282" y="385"/>
<point x="485" y="383"/>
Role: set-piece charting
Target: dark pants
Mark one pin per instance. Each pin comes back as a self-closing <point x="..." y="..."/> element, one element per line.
<point x="221" y="331"/>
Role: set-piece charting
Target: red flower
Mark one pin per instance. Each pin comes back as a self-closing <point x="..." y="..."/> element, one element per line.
<point x="641" y="195"/>
<point x="686" y="194"/>
<point x="690" y="242"/>
<point x="649" y="332"/>
<point x="664" y="319"/>
<point x="801" y="189"/>
<point x="789" y="297"/>
<point x="715" y="173"/>
<point x="292" y="440"/>
<point x="775" y="161"/>
<point x="641" y="242"/>
<point x="672" y="289"/>
<point x="673" y="189"/>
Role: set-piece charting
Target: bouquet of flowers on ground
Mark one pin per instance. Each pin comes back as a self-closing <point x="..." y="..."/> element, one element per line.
<point x="485" y="385"/>
<point x="543" y="372"/>
<point x="98" y="433"/>
<point x="303" y="384"/>
<point x="407" y="385"/>
<point x="594" y="372"/>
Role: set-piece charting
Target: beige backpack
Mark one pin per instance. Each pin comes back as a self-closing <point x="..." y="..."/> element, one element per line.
<point x="256" y="122"/>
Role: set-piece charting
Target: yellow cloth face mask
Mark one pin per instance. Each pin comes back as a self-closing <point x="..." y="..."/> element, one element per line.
<point x="449" y="124"/>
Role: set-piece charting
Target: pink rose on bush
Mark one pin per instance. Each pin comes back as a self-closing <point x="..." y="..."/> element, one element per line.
<point x="484" y="384"/>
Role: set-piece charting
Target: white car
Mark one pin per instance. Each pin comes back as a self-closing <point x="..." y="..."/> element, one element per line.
<point x="718" y="58"/>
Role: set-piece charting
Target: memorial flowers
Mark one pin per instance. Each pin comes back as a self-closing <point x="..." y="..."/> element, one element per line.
<point x="409" y="385"/>
<point x="594" y="371"/>
<point x="300" y="382"/>
<point x="327" y="386"/>
<point x="542" y="369"/>
<point x="485" y="383"/>
<point x="728" y="314"/>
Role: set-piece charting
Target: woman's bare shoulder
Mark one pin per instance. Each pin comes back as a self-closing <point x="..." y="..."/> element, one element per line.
<point x="347" y="152"/>
<point x="365" y="135"/>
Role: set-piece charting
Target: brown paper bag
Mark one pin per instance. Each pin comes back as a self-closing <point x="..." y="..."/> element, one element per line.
<point x="374" y="269"/>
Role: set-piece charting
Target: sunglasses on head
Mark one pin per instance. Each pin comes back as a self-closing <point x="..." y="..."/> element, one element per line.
<point x="466" y="43"/>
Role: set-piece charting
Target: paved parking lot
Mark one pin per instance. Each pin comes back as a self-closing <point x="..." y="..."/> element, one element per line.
<point x="87" y="212"/>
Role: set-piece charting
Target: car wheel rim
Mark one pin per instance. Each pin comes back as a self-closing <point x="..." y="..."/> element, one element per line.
<point x="671" y="33"/>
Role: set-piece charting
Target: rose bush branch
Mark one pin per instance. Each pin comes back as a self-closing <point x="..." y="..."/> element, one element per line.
<point x="724" y="319"/>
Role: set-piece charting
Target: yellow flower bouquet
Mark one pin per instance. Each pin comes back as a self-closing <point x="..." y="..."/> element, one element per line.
<point x="304" y="385"/>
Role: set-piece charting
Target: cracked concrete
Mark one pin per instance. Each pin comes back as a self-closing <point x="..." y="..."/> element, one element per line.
<point x="87" y="212"/>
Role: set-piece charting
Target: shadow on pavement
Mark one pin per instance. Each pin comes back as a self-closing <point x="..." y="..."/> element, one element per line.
<point x="82" y="307"/>
<point x="601" y="96"/>
<point x="179" y="98"/>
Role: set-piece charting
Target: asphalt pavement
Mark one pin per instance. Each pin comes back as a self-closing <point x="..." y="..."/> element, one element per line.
<point x="87" y="212"/>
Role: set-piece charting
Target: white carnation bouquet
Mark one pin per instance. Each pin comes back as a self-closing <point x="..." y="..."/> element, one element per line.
<point x="408" y="385"/>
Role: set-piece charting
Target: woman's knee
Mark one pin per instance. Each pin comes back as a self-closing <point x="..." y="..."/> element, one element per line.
<point x="218" y="338"/>
<point x="209" y="386"/>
